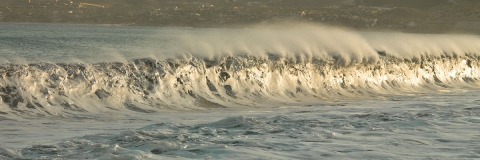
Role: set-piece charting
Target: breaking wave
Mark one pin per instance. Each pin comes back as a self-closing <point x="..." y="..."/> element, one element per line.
<point x="246" y="67"/>
<point x="148" y="85"/>
<point x="206" y="69"/>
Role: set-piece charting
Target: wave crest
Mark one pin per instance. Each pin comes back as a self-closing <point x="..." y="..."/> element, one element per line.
<point x="148" y="85"/>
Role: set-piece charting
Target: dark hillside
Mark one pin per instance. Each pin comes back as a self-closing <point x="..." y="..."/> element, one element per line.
<point x="407" y="13"/>
<point x="418" y="4"/>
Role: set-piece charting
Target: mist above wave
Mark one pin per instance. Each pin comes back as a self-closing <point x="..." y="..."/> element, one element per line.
<point x="305" y="41"/>
<point x="294" y="40"/>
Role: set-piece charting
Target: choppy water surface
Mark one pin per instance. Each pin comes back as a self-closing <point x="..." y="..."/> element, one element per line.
<point x="103" y="92"/>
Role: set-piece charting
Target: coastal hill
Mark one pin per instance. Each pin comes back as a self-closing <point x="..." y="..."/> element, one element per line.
<point x="418" y="4"/>
<point x="424" y="16"/>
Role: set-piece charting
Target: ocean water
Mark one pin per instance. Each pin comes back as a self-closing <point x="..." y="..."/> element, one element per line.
<point x="265" y="92"/>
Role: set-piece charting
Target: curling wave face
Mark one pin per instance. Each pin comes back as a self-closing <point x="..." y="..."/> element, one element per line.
<point x="148" y="85"/>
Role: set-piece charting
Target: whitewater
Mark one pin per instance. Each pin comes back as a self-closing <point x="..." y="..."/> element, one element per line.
<point x="270" y="91"/>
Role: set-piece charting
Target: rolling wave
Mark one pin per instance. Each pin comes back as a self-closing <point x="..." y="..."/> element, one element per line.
<point x="192" y="82"/>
